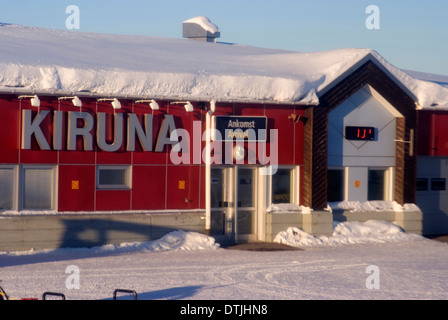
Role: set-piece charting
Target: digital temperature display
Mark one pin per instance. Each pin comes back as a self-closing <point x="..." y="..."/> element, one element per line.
<point x="359" y="133"/>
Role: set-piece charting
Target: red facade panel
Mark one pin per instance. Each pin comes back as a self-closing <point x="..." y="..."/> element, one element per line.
<point x="76" y="188"/>
<point x="289" y="130"/>
<point x="201" y="195"/>
<point x="9" y="130"/>
<point x="432" y="134"/>
<point x="113" y="200"/>
<point x="184" y="184"/>
<point x="299" y="132"/>
<point x="149" y="187"/>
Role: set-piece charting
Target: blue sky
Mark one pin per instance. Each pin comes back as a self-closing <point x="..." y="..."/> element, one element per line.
<point x="413" y="34"/>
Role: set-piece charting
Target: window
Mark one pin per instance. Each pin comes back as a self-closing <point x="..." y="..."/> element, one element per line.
<point x="438" y="184"/>
<point x="281" y="186"/>
<point x="377" y="179"/>
<point x="113" y="177"/>
<point x="7" y="188"/>
<point x="335" y="185"/>
<point x="38" y="188"/>
<point x="216" y="190"/>
<point x="422" y="184"/>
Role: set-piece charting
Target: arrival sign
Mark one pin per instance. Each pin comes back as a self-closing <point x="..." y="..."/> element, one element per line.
<point x="230" y="128"/>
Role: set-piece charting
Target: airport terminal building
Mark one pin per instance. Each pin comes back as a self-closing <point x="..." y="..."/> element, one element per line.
<point x="109" y="139"/>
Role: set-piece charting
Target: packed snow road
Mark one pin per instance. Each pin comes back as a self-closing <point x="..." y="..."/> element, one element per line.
<point x="410" y="268"/>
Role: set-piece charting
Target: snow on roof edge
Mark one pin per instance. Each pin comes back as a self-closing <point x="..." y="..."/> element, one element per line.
<point x="88" y="94"/>
<point x="301" y="84"/>
<point x="427" y="94"/>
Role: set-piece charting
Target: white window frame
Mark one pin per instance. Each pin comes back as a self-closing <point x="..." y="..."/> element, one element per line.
<point x="390" y="186"/>
<point x="126" y="186"/>
<point x="54" y="189"/>
<point x="294" y="196"/>
<point x="15" y="192"/>
<point x="389" y="181"/>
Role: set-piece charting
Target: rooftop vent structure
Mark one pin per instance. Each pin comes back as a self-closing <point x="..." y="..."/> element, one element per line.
<point x="200" y="29"/>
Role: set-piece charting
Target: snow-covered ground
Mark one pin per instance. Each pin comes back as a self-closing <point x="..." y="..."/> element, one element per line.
<point x="191" y="266"/>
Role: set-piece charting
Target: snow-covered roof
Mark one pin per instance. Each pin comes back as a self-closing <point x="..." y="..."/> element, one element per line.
<point x="436" y="78"/>
<point x="57" y="61"/>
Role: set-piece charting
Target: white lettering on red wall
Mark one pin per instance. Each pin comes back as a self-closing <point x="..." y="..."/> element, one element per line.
<point x="80" y="124"/>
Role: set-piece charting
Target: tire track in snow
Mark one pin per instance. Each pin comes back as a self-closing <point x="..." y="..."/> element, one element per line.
<point x="273" y="280"/>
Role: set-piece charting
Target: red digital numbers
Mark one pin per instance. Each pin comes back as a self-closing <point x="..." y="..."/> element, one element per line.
<point x="359" y="133"/>
<point x="363" y="133"/>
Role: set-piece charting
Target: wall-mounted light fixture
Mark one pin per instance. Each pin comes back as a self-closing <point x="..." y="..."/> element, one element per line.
<point x="238" y="152"/>
<point x="294" y="117"/>
<point x="115" y="103"/>
<point x="152" y="103"/>
<point x="212" y="106"/>
<point x="188" y="105"/>
<point x="75" y="100"/>
<point x="35" y="101"/>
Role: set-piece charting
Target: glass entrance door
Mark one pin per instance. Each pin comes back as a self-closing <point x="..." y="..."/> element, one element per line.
<point x="233" y="203"/>
<point x="246" y="208"/>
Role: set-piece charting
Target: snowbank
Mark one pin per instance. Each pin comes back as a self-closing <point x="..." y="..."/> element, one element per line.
<point x="366" y="206"/>
<point x="372" y="231"/>
<point x="353" y="206"/>
<point x="287" y="208"/>
<point x="173" y="241"/>
<point x="56" y="61"/>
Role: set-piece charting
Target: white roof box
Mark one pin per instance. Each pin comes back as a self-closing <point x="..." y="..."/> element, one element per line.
<point x="201" y="29"/>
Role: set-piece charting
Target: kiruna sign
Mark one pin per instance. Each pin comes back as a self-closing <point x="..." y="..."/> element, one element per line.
<point x="32" y="126"/>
